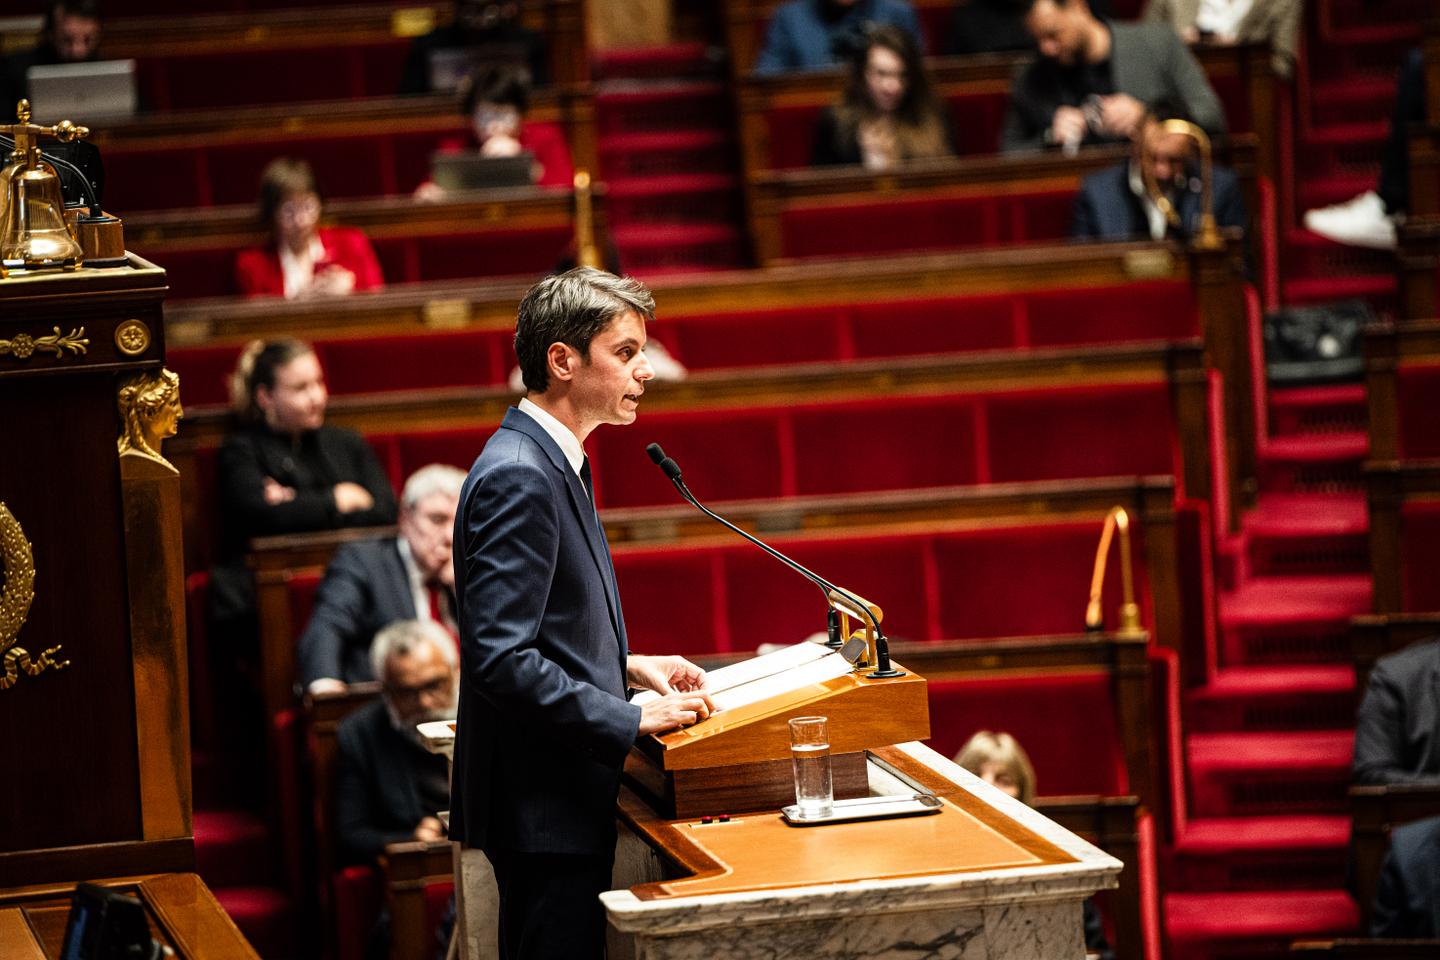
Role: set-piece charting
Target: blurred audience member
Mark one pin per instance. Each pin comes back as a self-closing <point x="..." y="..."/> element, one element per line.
<point x="815" y="34"/>
<point x="1274" y="22"/>
<point x="888" y="112"/>
<point x="70" y="33"/>
<point x="494" y="100"/>
<point x="1093" y="81"/>
<point x="999" y="760"/>
<point x="1369" y="219"/>
<point x="372" y="583"/>
<point x="303" y="259"/>
<point x="1113" y="204"/>
<point x="998" y="26"/>
<point x="1397" y="729"/>
<point x="482" y="32"/>
<point x="389" y="788"/>
<point x="1407" y="899"/>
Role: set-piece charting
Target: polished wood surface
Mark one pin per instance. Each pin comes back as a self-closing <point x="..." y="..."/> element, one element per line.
<point x="17" y="940"/>
<point x="763" y="853"/>
<point x="1389" y="486"/>
<point x="112" y="718"/>
<point x="182" y="912"/>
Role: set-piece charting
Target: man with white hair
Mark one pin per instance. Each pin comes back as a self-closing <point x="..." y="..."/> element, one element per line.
<point x="389" y="787"/>
<point x="372" y="583"/>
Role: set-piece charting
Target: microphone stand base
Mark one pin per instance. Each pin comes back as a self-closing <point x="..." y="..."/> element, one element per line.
<point x="886" y="674"/>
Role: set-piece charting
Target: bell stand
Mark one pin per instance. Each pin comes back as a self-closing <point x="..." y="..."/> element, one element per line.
<point x="27" y="174"/>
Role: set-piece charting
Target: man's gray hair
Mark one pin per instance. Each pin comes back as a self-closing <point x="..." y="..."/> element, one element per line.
<point x="571" y="308"/>
<point x="404" y="637"/>
<point x="434" y="478"/>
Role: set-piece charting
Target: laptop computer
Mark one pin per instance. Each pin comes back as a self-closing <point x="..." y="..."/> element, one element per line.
<point x="470" y="171"/>
<point x="83" y="92"/>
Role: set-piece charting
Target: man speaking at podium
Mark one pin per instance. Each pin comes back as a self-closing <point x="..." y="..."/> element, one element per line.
<point x="544" y="722"/>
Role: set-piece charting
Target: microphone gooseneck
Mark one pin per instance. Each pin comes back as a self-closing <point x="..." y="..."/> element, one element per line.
<point x="883" y="669"/>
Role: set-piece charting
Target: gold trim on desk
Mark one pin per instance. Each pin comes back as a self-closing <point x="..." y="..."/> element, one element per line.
<point x="22" y="345"/>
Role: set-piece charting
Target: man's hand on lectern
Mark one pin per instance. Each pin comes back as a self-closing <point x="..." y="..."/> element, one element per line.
<point x="663" y="674"/>
<point x="675" y="710"/>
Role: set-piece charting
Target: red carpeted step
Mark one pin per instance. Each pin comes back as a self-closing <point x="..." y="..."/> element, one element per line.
<point x="1253" y="699"/>
<point x="1301" y="535"/>
<point x="1313" y="464"/>
<point x="1336" y="15"/>
<point x="1260" y="853"/>
<point x="666" y="152"/>
<point x="1340" y="101"/>
<point x="673" y="198"/>
<point x="1337" y="408"/>
<point x="1341" y="149"/>
<point x="232" y="848"/>
<point x="1202" y="925"/>
<point x="644" y="247"/>
<point x="1322" y="190"/>
<point x="1373" y="51"/>
<point x="266" y="917"/>
<point x="626" y="106"/>
<point x="662" y="62"/>
<point x="1269" y="773"/>
<point x="1379" y="290"/>
<point x="1274" y="620"/>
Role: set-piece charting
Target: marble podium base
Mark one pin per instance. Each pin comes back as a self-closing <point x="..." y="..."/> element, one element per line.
<point x="1017" y="913"/>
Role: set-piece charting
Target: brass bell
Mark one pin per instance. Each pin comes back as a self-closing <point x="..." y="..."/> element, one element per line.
<point x="34" y="231"/>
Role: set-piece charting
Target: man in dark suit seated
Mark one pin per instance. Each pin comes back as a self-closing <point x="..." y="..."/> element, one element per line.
<point x="372" y="583"/>
<point x="1113" y="204"/>
<point x="481" y="31"/>
<point x="1397" y="729"/>
<point x="70" y="33"/>
<point x="1407" y="901"/>
<point x="1094" y="80"/>
<point x="389" y="788"/>
<point x="546" y="719"/>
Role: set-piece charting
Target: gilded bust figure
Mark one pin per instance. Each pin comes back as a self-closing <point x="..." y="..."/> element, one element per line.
<point x="150" y="412"/>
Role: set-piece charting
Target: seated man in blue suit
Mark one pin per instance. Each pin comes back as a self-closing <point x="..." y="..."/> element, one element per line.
<point x="1407" y="901"/>
<point x="1114" y="205"/>
<point x="815" y="34"/>
<point x="545" y="721"/>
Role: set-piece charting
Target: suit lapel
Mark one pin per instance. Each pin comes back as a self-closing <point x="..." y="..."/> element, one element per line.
<point x="579" y="502"/>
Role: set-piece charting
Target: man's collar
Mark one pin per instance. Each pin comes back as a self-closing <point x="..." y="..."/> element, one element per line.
<point x="568" y="443"/>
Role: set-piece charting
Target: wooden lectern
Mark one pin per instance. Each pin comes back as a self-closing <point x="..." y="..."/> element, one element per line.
<point x="92" y="632"/>
<point x="706" y="866"/>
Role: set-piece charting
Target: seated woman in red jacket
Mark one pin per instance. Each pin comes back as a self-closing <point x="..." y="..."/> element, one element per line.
<point x="303" y="259"/>
<point x="495" y="98"/>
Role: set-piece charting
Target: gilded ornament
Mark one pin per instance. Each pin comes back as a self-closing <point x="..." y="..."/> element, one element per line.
<point x="22" y="345"/>
<point x="150" y="411"/>
<point x="15" y="600"/>
<point x="132" y="338"/>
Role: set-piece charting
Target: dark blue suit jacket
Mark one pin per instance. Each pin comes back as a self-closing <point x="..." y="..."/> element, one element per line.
<point x="365" y="590"/>
<point x="1407" y="903"/>
<point x="1107" y="209"/>
<point x="544" y="724"/>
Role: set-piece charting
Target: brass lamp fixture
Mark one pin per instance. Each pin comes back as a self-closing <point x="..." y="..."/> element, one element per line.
<point x="33" y="228"/>
<point x="1116" y="519"/>
<point x="1208" y="236"/>
<point x="587" y="253"/>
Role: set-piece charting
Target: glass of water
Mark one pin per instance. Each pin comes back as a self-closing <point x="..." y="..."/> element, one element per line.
<point x="810" y="753"/>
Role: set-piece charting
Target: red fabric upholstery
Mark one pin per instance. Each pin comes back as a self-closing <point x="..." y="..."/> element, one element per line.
<point x="1085" y="432"/>
<point x="888" y="444"/>
<point x="1419" y="532"/>
<point x="358" y="896"/>
<point x="1417" y="398"/>
<point x="942" y="325"/>
<point x="789" y="335"/>
<point x="705" y="443"/>
<point x="957" y="584"/>
<point x="204" y="372"/>
<point x="272" y="75"/>
<point x="976" y="120"/>
<point x="1021" y="581"/>
<point x="1066" y="724"/>
<point x="462" y="359"/>
<point x="1152" y="310"/>
<point x="459" y="448"/>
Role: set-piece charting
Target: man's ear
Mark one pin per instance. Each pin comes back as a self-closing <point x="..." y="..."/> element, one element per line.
<point x="561" y="361"/>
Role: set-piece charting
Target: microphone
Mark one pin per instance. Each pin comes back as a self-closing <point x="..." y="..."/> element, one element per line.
<point x="883" y="670"/>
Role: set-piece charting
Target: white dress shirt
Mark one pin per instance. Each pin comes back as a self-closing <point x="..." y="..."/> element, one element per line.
<point x="569" y="443"/>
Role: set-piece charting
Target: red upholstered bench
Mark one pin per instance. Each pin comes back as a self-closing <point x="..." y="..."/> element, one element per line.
<point x="955" y="583"/>
<point x="1066" y="723"/>
<point x="471" y="358"/>
<point x="887" y="443"/>
<point x="1420" y="575"/>
<point x="889" y="225"/>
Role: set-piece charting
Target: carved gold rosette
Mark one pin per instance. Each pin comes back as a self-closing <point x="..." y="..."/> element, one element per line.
<point x="15" y="600"/>
<point x="22" y="346"/>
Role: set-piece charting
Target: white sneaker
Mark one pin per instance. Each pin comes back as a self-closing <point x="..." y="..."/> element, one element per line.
<point x="1359" y="222"/>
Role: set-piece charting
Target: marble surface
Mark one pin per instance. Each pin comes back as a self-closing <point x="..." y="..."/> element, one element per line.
<point x="980" y="899"/>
